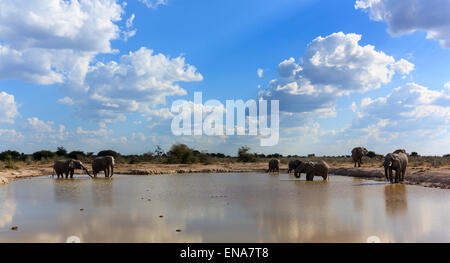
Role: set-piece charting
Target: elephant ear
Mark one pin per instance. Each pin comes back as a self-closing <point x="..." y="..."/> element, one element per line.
<point x="71" y="164"/>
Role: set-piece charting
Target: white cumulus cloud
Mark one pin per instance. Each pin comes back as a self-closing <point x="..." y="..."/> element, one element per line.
<point x="46" y="42"/>
<point x="8" y="108"/>
<point x="407" y="108"/>
<point x="407" y="16"/>
<point x="138" y="82"/>
<point x="260" y="73"/>
<point x="153" y="3"/>
<point x="332" y="66"/>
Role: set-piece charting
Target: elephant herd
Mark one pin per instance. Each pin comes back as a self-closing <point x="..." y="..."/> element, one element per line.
<point x="311" y="169"/>
<point x="100" y="164"/>
<point x="397" y="161"/>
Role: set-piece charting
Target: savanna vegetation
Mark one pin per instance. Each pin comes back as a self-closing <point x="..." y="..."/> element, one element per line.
<point x="182" y="154"/>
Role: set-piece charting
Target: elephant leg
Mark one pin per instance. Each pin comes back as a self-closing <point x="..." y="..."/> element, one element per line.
<point x="397" y="175"/>
<point x="391" y="178"/>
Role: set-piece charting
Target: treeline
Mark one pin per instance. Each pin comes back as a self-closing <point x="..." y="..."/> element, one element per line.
<point x="182" y="154"/>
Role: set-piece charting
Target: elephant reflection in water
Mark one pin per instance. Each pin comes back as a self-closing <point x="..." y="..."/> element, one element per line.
<point x="102" y="192"/>
<point x="395" y="199"/>
<point x="67" y="192"/>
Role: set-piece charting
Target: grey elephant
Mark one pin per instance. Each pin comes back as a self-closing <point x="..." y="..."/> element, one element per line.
<point x="274" y="165"/>
<point x="357" y="154"/>
<point x="313" y="169"/>
<point x="67" y="168"/>
<point x="400" y="151"/>
<point x="105" y="164"/>
<point x="292" y="165"/>
<point x="397" y="162"/>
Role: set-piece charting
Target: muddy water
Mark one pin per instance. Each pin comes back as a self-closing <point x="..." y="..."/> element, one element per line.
<point x="221" y="208"/>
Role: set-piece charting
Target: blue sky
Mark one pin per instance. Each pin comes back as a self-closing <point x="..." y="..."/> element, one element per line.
<point x="93" y="75"/>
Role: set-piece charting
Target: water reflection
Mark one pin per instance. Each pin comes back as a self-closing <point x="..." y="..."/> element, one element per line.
<point x="220" y="208"/>
<point x="66" y="192"/>
<point x="102" y="191"/>
<point x="395" y="199"/>
<point x="7" y="208"/>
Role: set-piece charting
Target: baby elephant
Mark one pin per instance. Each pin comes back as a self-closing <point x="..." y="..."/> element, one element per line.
<point x="274" y="165"/>
<point x="67" y="168"/>
<point x="313" y="169"/>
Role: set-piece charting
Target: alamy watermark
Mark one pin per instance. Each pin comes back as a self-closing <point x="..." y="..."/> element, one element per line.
<point x="251" y="118"/>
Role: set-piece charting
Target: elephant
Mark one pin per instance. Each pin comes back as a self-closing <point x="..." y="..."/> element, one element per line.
<point x="397" y="162"/>
<point x="357" y="154"/>
<point x="400" y="151"/>
<point x="293" y="164"/>
<point x="67" y="168"/>
<point x="274" y="165"/>
<point x="105" y="164"/>
<point x="313" y="169"/>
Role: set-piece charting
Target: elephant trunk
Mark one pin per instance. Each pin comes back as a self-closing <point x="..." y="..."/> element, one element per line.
<point x="87" y="171"/>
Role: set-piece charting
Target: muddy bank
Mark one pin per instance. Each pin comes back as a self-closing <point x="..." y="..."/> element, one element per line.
<point x="425" y="176"/>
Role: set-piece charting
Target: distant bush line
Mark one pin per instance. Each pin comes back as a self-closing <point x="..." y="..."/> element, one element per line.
<point x="182" y="154"/>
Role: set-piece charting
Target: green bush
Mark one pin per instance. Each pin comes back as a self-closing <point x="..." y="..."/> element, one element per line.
<point x="180" y="153"/>
<point x="61" y="151"/>
<point x="44" y="154"/>
<point x="371" y="154"/>
<point x="13" y="155"/>
<point x="76" y="155"/>
<point x="245" y="156"/>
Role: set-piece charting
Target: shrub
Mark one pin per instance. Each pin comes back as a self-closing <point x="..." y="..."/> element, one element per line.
<point x="13" y="155"/>
<point x="180" y="153"/>
<point x="44" y="154"/>
<point x="76" y="155"/>
<point x="9" y="164"/>
<point x="371" y="154"/>
<point x="245" y="156"/>
<point x="61" y="151"/>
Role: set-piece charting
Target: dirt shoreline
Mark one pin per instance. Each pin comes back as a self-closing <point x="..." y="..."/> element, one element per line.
<point x="424" y="176"/>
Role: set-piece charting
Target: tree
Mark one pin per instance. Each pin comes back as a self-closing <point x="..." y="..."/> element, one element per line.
<point x="159" y="152"/>
<point x="76" y="155"/>
<point x="371" y="154"/>
<point x="245" y="156"/>
<point x="180" y="153"/>
<point x="43" y="154"/>
<point x="10" y="155"/>
<point x="414" y="154"/>
<point x="61" y="151"/>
